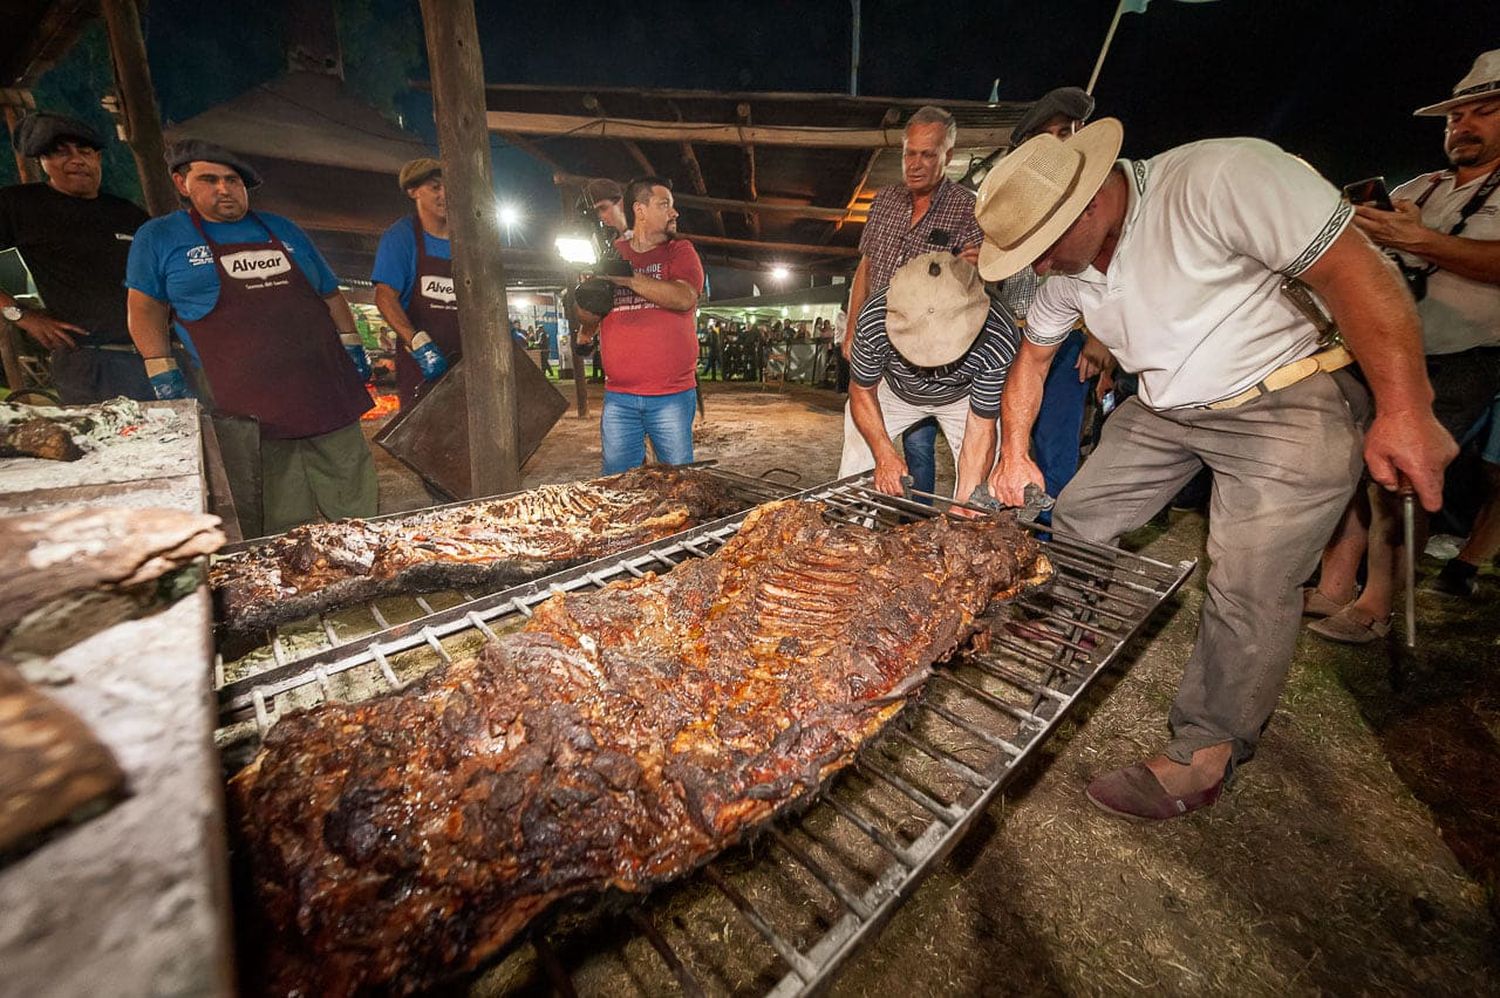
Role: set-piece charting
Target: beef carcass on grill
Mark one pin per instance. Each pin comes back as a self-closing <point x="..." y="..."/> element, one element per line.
<point x="619" y="740"/>
<point x="320" y="567"/>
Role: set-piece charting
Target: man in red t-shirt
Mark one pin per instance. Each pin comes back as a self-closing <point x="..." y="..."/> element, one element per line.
<point x="649" y="338"/>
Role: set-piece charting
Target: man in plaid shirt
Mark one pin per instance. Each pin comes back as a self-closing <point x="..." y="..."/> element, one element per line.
<point x="924" y="213"/>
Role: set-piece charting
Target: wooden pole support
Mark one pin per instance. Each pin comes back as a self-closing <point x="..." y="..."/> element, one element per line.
<point x="127" y="49"/>
<point x="479" y="274"/>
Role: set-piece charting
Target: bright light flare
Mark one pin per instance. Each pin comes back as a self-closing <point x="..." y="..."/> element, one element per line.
<point x="576" y="250"/>
<point x="510" y="216"/>
<point x="779" y="273"/>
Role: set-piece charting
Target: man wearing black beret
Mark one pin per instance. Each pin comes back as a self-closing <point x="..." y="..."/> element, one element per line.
<point x="74" y="239"/>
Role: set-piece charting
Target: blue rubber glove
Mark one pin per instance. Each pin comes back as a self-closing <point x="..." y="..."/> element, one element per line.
<point x="167" y="381"/>
<point x="355" y="347"/>
<point x="430" y="360"/>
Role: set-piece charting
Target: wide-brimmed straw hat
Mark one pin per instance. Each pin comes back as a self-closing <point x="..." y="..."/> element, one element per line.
<point x="1483" y="81"/>
<point x="935" y="308"/>
<point x="1032" y="195"/>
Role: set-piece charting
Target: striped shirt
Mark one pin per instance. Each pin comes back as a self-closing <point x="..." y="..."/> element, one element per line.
<point x="979" y="374"/>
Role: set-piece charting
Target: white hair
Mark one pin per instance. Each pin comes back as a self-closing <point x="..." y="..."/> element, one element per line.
<point x="930" y="115"/>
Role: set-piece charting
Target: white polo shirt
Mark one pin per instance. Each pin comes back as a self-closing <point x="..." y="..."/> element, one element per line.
<point x="1458" y="313"/>
<point x="1192" y="300"/>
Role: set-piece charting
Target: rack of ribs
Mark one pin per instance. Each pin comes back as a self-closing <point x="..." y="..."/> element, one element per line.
<point x="322" y="567"/>
<point x="619" y="740"/>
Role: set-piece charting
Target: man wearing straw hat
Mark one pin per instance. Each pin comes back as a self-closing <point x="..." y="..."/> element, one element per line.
<point x="1176" y="263"/>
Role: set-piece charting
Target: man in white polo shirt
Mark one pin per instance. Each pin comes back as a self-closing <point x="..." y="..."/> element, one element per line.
<point x="1176" y="264"/>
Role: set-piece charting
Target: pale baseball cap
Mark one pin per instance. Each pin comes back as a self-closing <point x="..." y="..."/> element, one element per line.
<point x="935" y="308"/>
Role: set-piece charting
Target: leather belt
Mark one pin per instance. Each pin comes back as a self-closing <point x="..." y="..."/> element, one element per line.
<point x="1289" y="374"/>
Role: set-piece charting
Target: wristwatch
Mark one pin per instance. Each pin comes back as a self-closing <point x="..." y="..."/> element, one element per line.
<point x="12" y="313"/>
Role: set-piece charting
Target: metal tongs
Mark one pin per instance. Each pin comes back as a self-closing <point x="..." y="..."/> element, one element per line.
<point x="1036" y="501"/>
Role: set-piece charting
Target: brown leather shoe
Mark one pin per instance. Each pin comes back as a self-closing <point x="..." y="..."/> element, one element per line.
<point x="1135" y="793"/>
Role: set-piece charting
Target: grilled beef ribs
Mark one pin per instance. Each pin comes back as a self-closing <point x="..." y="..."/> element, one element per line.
<point x="320" y="567"/>
<point x="619" y="740"/>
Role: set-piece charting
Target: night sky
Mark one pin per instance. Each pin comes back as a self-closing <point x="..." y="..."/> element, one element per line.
<point x="1332" y="80"/>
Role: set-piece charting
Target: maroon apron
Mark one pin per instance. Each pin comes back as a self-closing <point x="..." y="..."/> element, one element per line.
<point x="433" y="310"/>
<point x="269" y="346"/>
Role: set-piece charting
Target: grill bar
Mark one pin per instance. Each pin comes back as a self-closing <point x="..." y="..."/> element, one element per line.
<point x="1059" y="641"/>
<point x="357" y="624"/>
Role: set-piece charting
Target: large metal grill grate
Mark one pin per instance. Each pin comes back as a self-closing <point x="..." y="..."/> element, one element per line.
<point x="290" y="649"/>
<point x="781" y="916"/>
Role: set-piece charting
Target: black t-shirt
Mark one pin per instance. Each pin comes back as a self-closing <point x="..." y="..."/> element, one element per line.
<point x="75" y="249"/>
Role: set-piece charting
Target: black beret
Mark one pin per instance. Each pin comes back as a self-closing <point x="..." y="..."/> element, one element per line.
<point x="185" y="151"/>
<point x="39" y="131"/>
<point x="1073" y="102"/>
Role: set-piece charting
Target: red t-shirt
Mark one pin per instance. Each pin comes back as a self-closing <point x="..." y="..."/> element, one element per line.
<point x="649" y="350"/>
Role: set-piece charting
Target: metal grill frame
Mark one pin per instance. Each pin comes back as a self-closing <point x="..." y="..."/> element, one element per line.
<point x="1077" y="628"/>
<point x="334" y="647"/>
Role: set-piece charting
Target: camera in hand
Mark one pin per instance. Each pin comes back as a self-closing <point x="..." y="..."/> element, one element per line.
<point x="1371" y="191"/>
<point x="595" y="294"/>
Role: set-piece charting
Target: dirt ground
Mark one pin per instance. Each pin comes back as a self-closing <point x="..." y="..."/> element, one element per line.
<point x="1359" y="853"/>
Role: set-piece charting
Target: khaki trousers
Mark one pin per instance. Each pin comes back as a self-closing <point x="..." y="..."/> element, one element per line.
<point x="1284" y="467"/>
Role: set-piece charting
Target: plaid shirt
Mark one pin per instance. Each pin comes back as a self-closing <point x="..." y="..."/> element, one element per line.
<point x="889" y="239"/>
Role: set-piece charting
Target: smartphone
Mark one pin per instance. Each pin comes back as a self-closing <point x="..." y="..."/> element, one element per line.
<point x="1371" y="192"/>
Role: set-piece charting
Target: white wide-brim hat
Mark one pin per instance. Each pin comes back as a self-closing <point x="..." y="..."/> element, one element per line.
<point x="1032" y="195"/>
<point x="1483" y="81"/>
<point x="935" y="308"/>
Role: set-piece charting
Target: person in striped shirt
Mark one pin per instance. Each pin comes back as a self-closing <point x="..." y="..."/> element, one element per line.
<point x="931" y="344"/>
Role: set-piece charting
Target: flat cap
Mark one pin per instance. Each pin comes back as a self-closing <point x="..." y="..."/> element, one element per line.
<point x="39" y="131"/>
<point x="419" y="171"/>
<point x="603" y="189"/>
<point x="1073" y="102"/>
<point x="185" y="151"/>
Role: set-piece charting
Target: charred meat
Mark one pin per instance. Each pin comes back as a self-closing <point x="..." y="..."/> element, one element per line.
<point x="619" y="740"/>
<point x="321" y="567"/>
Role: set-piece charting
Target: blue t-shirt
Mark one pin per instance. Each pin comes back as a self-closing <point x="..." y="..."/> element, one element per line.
<point x="170" y="261"/>
<point x="396" y="257"/>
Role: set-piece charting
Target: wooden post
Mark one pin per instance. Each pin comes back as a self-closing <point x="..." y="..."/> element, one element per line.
<point x="580" y="384"/>
<point x="25" y="165"/>
<point x="479" y="275"/>
<point x="127" y="49"/>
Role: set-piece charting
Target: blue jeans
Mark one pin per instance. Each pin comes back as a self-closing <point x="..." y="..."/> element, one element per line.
<point x="1057" y="432"/>
<point x="629" y="419"/>
<point x="917" y="444"/>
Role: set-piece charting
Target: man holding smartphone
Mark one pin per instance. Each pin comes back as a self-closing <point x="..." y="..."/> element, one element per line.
<point x="1444" y="231"/>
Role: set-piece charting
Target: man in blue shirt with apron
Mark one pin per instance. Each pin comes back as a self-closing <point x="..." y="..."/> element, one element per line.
<point x="275" y="337"/>
<point x="413" y="280"/>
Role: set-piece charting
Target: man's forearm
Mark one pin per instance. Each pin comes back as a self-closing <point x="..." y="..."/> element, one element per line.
<point x="977" y="455"/>
<point x="674" y="296"/>
<point x="1022" y="398"/>
<point x="343" y="315"/>
<point x="389" y="304"/>
<point x="148" y="320"/>
<point x="1378" y="320"/>
<point x="1475" y="259"/>
<point x="864" y="408"/>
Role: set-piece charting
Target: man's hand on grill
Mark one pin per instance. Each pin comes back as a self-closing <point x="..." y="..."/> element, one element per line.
<point x="888" y="475"/>
<point x="1010" y="477"/>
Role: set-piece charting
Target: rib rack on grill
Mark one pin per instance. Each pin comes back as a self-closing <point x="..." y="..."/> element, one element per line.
<point x="324" y="566"/>
<point x="620" y="739"/>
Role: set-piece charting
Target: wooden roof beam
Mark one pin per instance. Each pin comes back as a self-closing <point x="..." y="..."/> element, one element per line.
<point x="892" y="115"/>
<point x="591" y="103"/>
<point x="760" y="246"/>
<point x="695" y="173"/>
<point x="620" y="129"/>
<point x="816" y="212"/>
<point x="742" y="111"/>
